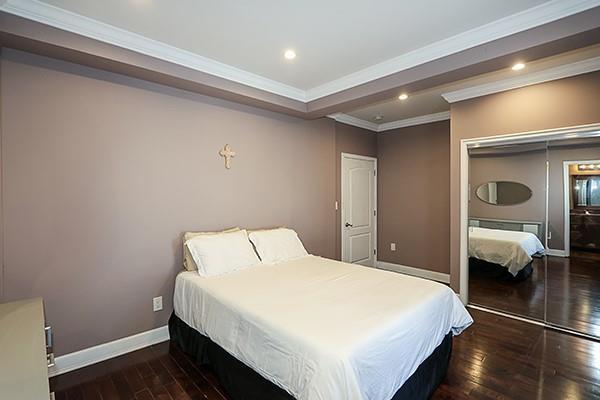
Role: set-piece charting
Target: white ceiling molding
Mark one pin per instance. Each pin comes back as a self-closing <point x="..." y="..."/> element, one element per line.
<point x="550" y="74"/>
<point x="524" y="20"/>
<point x="403" y="123"/>
<point x="350" y="120"/>
<point x="423" y="119"/>
<point x="72" y="22"/>
<point x="91" y="28"/>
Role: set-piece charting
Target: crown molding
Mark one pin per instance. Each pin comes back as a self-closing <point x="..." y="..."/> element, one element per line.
<point x="515" y="23"/>
<point x="350" y="120"/>
<point x="91" y="28"/>
<point x="420" y="120"/>
<point x="88" y="27"/>
<point x="533" y="78"/>
<point x="550" y="74"/>
<point x="402" y="123"/>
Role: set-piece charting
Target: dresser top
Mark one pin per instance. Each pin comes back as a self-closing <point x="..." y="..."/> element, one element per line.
<point x="23" y="365"/>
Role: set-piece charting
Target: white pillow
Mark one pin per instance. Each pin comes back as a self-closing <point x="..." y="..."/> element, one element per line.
<point x="277" y="245"/>
<point x="188" y="261"/>
<point x="222" y="253"/>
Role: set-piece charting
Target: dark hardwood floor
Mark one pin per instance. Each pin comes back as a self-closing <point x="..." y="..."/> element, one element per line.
<point x="160" y="372"/>
<point x="572" y="292"/>
<point x="522" y="298"/>
<point x="501" y="358"/>
<point x="496" y="358"/>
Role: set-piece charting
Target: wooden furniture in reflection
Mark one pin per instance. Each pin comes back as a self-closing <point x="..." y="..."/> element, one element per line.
<point x="585" y="229"/>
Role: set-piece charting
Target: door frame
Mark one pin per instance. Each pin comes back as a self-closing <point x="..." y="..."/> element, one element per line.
<point x="567" y="201"/>
<point x="345" y="156"/>
<point x="572" y="132"/>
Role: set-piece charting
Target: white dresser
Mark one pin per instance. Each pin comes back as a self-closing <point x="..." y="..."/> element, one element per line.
<point x="25" y="346"/>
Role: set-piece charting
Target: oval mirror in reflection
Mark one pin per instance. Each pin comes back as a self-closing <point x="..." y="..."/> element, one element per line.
<point x="504" y="193"/>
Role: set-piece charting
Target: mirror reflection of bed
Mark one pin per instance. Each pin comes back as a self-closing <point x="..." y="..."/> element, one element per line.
<point x="506" y="266"/>
<point x="534" y="231"/>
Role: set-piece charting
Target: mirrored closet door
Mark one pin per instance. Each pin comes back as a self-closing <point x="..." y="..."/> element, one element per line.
<point x="534" y="231"/>
<point x="507" y="223"/>
<point x="573" y="266"/>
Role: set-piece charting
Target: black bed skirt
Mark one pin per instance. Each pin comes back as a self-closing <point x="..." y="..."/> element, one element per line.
<point x="486" y="269"/>
<point x="243" y="383"/>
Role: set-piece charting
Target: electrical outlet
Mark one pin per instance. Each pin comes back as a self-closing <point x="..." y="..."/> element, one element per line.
<point x="157" y="303"/>
<point x="393" y="246"/>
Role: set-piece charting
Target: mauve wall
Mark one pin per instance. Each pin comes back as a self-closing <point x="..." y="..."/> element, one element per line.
<point x="565" y="102"/>
<point x="413" y="196"/>
<point x="528" y="168"/>
<point x="349" y="139"/>
<point x="103" y="173"/>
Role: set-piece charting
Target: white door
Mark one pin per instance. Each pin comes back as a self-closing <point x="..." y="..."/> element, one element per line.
<point x="359" y="209"/>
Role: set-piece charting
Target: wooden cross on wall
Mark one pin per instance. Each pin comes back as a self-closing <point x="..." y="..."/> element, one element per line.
<point x="228" y="154"/>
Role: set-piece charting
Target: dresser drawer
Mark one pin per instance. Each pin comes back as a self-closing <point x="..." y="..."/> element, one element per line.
<point x="49" y="346"/>
<point x="24" y="360"/>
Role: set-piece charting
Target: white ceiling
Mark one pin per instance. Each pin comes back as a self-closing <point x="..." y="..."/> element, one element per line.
<point x="431" y="101"/>
<point x="332" y="38"/>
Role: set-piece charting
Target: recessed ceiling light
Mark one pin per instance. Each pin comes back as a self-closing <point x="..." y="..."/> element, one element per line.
<point x="403" y="96"/>
<point x="289" y="54"/>
<point x="518" y="66"/>
<point x="378" y="117"/>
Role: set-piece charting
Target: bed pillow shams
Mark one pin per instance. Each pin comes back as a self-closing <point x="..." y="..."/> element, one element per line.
<point x="277" y="245"/>
<point x="222" y="253"/>
<point x="188" y="262"/>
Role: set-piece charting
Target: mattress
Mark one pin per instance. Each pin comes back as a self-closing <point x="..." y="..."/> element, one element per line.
<point x="510" y="249"/>
<point x="323" y="329"/>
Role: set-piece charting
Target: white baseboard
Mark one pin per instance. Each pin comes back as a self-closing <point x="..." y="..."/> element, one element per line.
<point x="421" y="273"/>
<point x="556" y="253"/>
<point x="101" y="352"/>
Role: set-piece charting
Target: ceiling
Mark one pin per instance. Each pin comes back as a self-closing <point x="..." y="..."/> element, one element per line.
<point x="332" y="38"/>
<point x="353" y="57"/>
<point x="430" y="101"/>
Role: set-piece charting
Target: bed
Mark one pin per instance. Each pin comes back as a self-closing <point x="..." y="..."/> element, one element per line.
<point x="313" y="328"/>
<point x="507" y="253"/>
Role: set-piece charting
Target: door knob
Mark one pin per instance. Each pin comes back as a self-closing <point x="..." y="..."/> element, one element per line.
<point x="349" y="225"/>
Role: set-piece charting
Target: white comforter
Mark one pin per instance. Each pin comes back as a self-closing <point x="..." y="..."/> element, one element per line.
<point x="322" y="329"/>
<point x="511" y="249"/>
